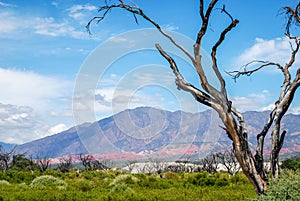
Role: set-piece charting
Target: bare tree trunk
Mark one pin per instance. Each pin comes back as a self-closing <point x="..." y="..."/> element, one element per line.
<point x="242" y="151"/>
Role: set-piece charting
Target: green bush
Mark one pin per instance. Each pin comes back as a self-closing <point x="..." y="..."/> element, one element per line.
<point x="171" y="175"/>
<point x="15" y="176"/>
<point x="203" y="179"/>
<point x="126" y="178"/>
<point x="121" y="192"/>
<point x="89" y="175"/>
<point x="222" y="182"/>
<point x="292" y="164"/>
<point x="4" y="183"/>
<point x="84" y="185"/>
<point x="48" y="181"/>
<point x="238" y="179"/>
<point x="285" y="188"/>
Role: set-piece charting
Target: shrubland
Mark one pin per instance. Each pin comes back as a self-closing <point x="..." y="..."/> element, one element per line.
<point x="115" y="185"/>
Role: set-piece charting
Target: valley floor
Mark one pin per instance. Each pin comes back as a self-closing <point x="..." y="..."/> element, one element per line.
<point x="113" y="185"/>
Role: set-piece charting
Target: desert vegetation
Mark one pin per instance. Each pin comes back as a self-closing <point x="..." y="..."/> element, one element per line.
<point x="165" y="183"/>
<point x="115" y="185"/>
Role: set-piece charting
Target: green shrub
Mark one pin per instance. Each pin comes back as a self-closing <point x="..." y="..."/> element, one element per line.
<point x="126" y="178"/>
<point x="292" y="164"/>
<point x="222" y="182"/>
<point x="89" y="175"/>
<point x="55" y="173"/>
<point x="285" y="188"/>
<point x="84" y="185"/>
<point x="121" y="192"/>
<point x="171" y="175"/>
<point x="4" y="183"/>
<point x="15" y="176"/>
<point x="203" y="179"/>
<point x="238" y="179"/>
<point x="48" y="181"/>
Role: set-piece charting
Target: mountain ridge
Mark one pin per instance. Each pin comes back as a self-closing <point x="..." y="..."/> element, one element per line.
<point x="150" y="130"/>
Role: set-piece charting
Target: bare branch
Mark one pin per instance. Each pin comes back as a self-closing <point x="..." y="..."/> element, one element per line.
<point x="205" y="18"/>
<point x="182" y="84"/>
<point x="214" y="50"/>
<point x="201" y="10"/>
<point x="135" y="10"/>
<point x="236" y="74"/>
<point x="293" y="17"/>
<point x="286" y="72"/>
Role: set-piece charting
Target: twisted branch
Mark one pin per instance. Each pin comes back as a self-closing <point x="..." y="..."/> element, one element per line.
<point x="135" y="10"/>
<point x="199" y="95"/>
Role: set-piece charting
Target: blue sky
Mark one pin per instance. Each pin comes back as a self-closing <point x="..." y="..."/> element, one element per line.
<point x="44" y="48"/>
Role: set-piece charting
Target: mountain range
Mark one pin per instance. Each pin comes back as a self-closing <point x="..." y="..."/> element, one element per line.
<point x="147" y="132"/>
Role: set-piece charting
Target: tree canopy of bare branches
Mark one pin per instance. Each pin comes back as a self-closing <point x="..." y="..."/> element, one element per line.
<point x="217" y="99"/>
<point x="65" y="164"/>
<point x="6" y="158"/>
<point x="42" y="163"/>
<point x="228" y="160"/>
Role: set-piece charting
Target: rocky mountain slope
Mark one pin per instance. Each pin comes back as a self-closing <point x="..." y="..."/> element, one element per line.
<point x="154" y="132"/>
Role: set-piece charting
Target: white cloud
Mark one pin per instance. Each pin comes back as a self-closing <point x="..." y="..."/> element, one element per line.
<point x="79" y="11"/>
<point x="49" y="27"/>
<point x="57" y="129"/>
<point x="54" y="3"/>
<point x="31" y="89"/>
<point x="12" y="26"/>
<point x="11" y="115"/>
<point x="294" y="110"/>
<point x="61" y="114"/>
<point x="35" y="102"/>
<point x="170" y="27"/>
<point x="9" y="23"/>
<point x="18" y="123"/>
<point x="253" y="102"/>
<point x="276" y="50"/>
<point x="77" y="8"/>
<point x="6" y="4"/>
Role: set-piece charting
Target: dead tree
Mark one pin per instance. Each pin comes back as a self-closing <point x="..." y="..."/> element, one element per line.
<point x="131" y="164"/>
<point x="5" y="158"/>
<point x="42" y="163"/>
<point x="217" y="99"/>
<point x="86" y="161"/>
<point x="210" y="163"/>
<point x="65" y="164"/>
<point x="289" y="86"/>
<point x="229" y="161"/>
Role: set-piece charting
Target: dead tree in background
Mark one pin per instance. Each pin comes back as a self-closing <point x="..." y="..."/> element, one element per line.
<point x="5" y="158"/>
<point x="210" y="163"/>
<point x="42" y="163"/>
<point x="229" y="161"/>
<point x="131" y="164"/>
<point x="65" y="164"/>
<point x="86" y="161"/>
<point x="217" y="99"/>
